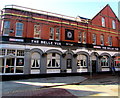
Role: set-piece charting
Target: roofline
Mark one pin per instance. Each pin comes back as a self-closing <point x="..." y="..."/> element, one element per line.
<point x="103" y="9"/>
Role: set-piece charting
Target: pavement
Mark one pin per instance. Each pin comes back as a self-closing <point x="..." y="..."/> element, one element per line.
<point x="72" y="86"/>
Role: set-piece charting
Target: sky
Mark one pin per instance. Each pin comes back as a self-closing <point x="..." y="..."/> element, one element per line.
<point x="74" y="8"/>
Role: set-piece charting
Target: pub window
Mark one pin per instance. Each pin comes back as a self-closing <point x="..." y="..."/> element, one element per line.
<point x="37" y="31"/>
<point x="84" y="37"/>
<point x="103" y="22"/>
<point x="19" y="65"/>
<point x="52" y="33"/>
<point x="2" y="51"/>
<point x="104" y="61"/>
<point x="80" y="37"/>
<point x="20" y="52"/>
<point x="110" y="41"/>
<point x="53" y="60"/>
<point x="6" y="28"/>
<point x="10" y="51"/>
<point x="58" y="34"/>
<point x="113" y="24"/>
<point x="19" y="29"/>
<point x="82" y="61"/>
<point x="94" y="38"/>
<point x="102" y="39"/>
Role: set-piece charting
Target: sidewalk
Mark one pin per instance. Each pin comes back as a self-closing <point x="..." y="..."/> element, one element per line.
<point x="28" y="86"/>
<point x="74" y="86"/>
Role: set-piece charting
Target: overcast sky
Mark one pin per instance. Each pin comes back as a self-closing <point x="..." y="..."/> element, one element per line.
<point x="83" y="8"/>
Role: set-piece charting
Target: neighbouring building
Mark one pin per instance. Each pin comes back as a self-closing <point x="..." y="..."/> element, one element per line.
<point x="39" y="42"/>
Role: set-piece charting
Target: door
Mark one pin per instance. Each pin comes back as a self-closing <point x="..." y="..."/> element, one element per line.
<point x="94" y="66"/>
<point x="9" y="68"/>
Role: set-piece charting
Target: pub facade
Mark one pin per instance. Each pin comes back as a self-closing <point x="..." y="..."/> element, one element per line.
<point x="40" y="42"/>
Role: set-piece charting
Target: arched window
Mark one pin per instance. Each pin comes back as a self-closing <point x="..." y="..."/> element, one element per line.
<point x="82" y="61"/>
<point x="35" y="60"/>
<point x="53" y="60"/>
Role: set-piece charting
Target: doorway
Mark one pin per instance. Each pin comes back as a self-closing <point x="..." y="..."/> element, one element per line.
<point x="9" y="68"/>
<point x="94" y="66"/>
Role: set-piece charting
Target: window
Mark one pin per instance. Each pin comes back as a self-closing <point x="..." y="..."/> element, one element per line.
<point x="84" y="37"/>
<point x="94" y="38"/>
<point x="80" y="37"/>
<point x="57" y="33"/>
<point x="53" y="60"/>
<point x="110" y="41"/>
<point x="81" y="61"/>
<point x="6" y="29"/>
<point x="19" y="29"/>
<point x="102" y="39"/>
<point x="113" y="24"/>
<point x="20" y="52"/>
<point x="37" y="31"/>
<point x="103" y="22"/>
<point x="2" y="51"/>
<point x="52" y="33"/>
<point x="104" y="61"/>
<point x="35" y="60"/>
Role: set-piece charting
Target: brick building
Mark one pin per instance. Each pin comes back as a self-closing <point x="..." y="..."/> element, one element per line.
<point x="39" y="42"/>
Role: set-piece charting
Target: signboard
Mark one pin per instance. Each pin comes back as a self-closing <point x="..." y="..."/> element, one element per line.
<point x="69" y="34"/>
<point x="54" y="43"/>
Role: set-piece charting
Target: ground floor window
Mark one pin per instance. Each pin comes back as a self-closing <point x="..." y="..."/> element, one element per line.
<point x="81" y="61"/>
<point x="10" y="62"/>
<point x="35" y="60"/>
<point x="53" y="60"/>
<point x="117" y="62"/>
<point x="104" y="61"/>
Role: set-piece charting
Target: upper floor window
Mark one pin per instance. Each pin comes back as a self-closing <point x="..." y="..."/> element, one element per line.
<point x="80" y="37"/>
<point x="110" y="41"/>
<point x="84" y="37"/>
<point x="37" y="31"/>
<point x="57" y="33"/>
<point x="52" y="33"/>
<point x="103" y="22"/>
<point x="19" y="29"/>
<point x="113" y="24"/>
<point x="94" y="38"/>
<point x="6" y="28"/>
<point x="102" y="39"/>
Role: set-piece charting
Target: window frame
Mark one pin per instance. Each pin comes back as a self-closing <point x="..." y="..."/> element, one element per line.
<point x="113" y="24"/>
<point x="102" y="39"/>
<point x="51" y="33"/>
<point x="6" y="28"/>
<point x="103" y="21"/>
<point x="94" y="39"/>
<point x="19" y="29"/>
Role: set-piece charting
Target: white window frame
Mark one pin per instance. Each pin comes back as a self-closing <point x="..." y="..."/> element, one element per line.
<point x="37" y="31"/>
<point x="58" y="34"/>
<point x="20" y="29"/>
<point x="113" y="24"/>
<point x="103" y="22"/>
<point x="51" y="33"/>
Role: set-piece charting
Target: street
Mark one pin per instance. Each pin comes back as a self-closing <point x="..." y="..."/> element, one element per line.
<point x="74" y="86"/>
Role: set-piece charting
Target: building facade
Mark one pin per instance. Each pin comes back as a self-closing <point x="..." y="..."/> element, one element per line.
<point x="40" y="42"/>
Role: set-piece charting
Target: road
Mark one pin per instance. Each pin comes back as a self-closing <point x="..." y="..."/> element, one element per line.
<point x="98" y="85"/>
